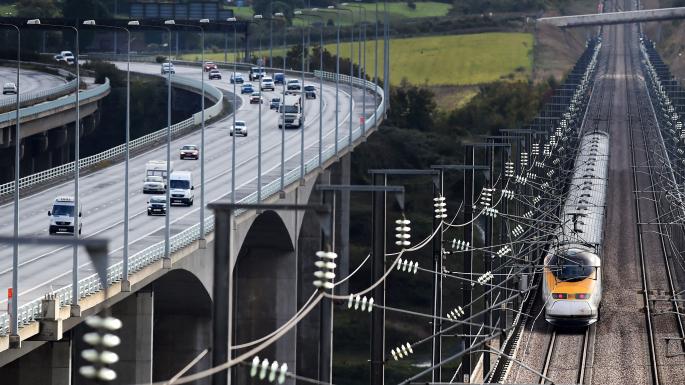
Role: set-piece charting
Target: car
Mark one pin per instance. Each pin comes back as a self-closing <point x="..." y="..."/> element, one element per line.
<point x="240" y="128"/>
<point x="246" y="89"/>
<point x="237" y="78"/>
<point x="266" y="84"/>
<point x="9" y="88"/>
<point x="156" y="205"/>
<point x="279" y="78"/>
<point x="256" y="97"/>
<point x="62" y="216"/>
<point x="309" y="92"/>
<point x="153" y="184"/>
<point x="275" y="102"/>
<point x="67" y="55"/>
<point x="190" y="151"/>
<point x="214" y="74"/>
<point x="168" y="68"/>
<point x="293" y="86"/>
<point x="59" y="58"/>
<point x="210" y="66"/>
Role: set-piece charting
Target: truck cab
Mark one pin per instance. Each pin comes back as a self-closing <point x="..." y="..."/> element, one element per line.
<point x="290" y="113"/>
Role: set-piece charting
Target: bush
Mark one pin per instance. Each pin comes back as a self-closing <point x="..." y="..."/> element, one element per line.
<point x="160" y="59"/>
<point x="106" y="70"/>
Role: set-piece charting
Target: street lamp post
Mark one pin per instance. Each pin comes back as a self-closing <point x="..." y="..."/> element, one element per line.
<point x="320" y="85"/>
<point x="332" y="8"/>
<point x="125" y="284"/>
<point x="15" y="341"/>
<point x="234" y="21"/>
<point x="75" y="310"/>
<point x="202" y="241"/>
<point x="285" y="44"/>
<point x="362" y="62"/>
<point x="259" y="126"/>
<point x="298" y="15"/>
<point x="166" y="260"/>
<point x="351" y="70"/>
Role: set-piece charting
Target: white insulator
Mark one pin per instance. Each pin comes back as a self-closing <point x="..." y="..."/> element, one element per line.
<point x="272" y="371"/>
<point x="394" y="354"/>
<point x="263" y="369"/>
<point x="255" y="366"/>
<point x="364" y="300"/>
<point x="282" y="372"/>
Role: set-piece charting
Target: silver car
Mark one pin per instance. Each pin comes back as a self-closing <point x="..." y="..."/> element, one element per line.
<point x="240" y="128"/>
<point x="153" y="184"/>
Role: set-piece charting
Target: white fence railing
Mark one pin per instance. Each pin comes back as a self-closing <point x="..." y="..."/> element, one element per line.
<point x="68" y="168"/>
<point x="37" y="95"/>
<point x="28" y="312"/>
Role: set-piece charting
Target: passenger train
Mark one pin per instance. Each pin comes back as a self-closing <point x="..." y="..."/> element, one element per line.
<point x="572" y="274"/>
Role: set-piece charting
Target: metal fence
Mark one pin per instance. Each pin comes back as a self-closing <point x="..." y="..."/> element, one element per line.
<point x="28" y="312"/>
<point x="68" y="168"/>
<point x="34" y="96"/>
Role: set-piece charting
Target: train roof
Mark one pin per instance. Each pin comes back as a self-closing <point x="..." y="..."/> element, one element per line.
<point x="586" y="200"/>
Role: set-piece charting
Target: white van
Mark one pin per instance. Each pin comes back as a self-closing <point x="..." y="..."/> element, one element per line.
<point x="62" y="216"/>
<point x="181" y="188"/>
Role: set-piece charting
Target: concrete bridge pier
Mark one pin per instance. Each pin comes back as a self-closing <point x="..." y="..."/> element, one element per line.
<point x="41" y="159"/>
<point x="310" y="240"/>
<point x="265" y="277"/>
<point x="183" y="325"/>
<point x="50" y="364"/>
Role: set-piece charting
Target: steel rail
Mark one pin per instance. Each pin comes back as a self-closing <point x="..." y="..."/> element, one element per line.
<point x="643" y="269"/>
<point x="657" y="207"/>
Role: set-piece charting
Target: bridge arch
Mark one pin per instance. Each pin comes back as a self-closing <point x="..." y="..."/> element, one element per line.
<point x="265" y="288"/>
<point x="182" y="323"/>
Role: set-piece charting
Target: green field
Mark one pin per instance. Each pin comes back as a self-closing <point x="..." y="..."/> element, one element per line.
<point x="396" y="11"/>
<point x="455" y="59"/>
<point x="442" y="60"/>
<point x="8" y="10"/>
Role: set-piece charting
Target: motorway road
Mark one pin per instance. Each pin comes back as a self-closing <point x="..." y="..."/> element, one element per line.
<point x="44" y="268"/>
<point x="29" y="81"/>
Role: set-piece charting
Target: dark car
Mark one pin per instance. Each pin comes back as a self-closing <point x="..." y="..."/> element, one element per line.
<point x="189" y="151"/>
<point x="156" y="205"/>
<point x="279" y="78"/>
<point x="246" y="89"/>
<point x="275" y="102"/>
<point x="310" y="92"/>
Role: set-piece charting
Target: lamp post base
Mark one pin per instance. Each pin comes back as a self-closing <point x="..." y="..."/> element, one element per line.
<point x="75" y="310"/>
<point x="15" y="341"/>
<point x="125" y="285"/>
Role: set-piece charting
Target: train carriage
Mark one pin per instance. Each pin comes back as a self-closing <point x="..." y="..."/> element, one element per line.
<point x="572" y="276"/>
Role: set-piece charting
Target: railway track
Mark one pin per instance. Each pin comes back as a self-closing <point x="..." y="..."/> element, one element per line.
<point x="656" y="270"/>
<point x="566" y="357"/>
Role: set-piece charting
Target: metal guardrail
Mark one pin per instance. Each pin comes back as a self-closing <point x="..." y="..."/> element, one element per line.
<point x="28" y="312"/>
<point x="38" y="95"/>
<point x="68" y="168"/>
<point x="44" y="107"/>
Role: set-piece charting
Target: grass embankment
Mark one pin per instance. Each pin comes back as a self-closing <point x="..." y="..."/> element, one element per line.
<point x="396" y="11"/>
<point x="8" y="10"/>
<point x="455" y="60"/>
